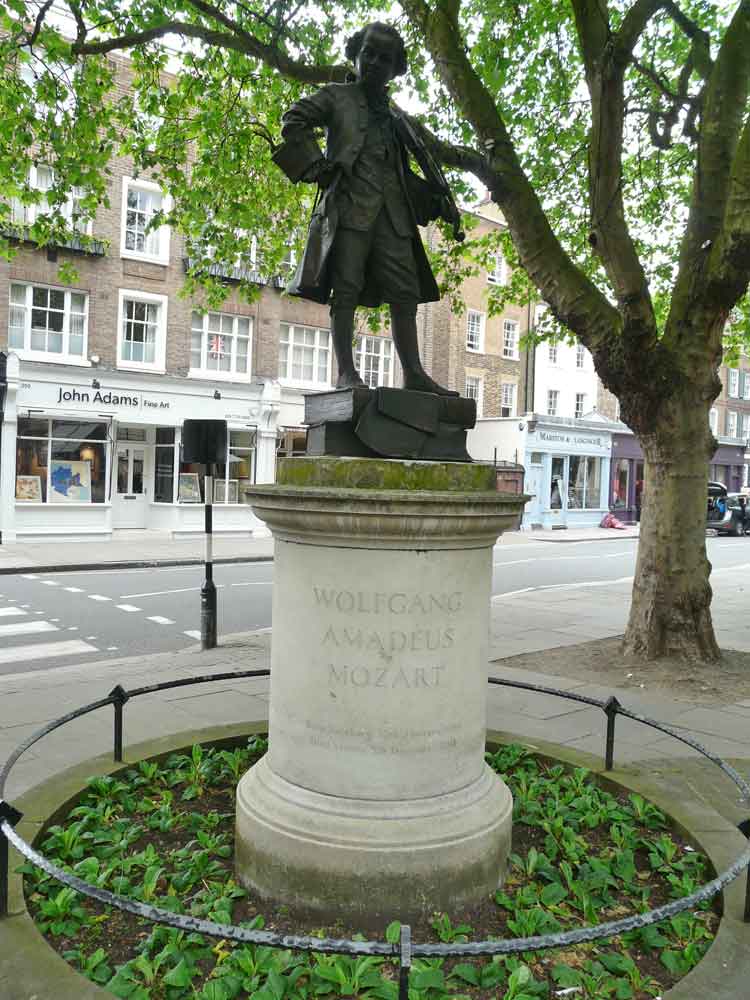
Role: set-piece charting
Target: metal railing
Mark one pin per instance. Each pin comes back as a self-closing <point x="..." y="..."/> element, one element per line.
<point x="405" y="949"/>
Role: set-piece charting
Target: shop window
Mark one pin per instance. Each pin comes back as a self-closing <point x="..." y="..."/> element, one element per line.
<point x="142" y="331"/>
<point x="580" y="403"/>
<point x="474" y="390"/>
<point x="553" y="400"/>
<point x="373" y="358"/>
<point x="734" y="382"/>
<point x="580" y="356"/>
<point x="557" y="483"/>
<point x="474" y="331"/>
<point x="50" y="324"/>
<point x="164" y="465"/>
<point x="141" y="239"/>
<point x="510" y="338"/>
<point x="497" y="274"/>
<point x="230" y="476"/>
<point x="61" y="461"/>
<point x="584" y="482"/>
<point x="508" y="399"/>
<point x="305" y="355"/>
<point x="291" y="441"/>
<point x="620" y="482"/>
<point x="536" y="458"/>
<point x="220" y="345"/>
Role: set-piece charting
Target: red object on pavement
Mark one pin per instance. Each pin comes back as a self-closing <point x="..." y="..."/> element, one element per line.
<point x="610" y="521"/>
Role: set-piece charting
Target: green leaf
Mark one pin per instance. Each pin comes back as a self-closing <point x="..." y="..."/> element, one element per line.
<point x="552" y="894"/>
<point x="565" y="976"/>
<point x="393" y="932"/>
<point x="469" y="973"/>
<point x="181" y="975"/>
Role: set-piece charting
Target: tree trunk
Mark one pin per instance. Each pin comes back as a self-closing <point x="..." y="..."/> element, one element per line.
<point x="670" y="612"/>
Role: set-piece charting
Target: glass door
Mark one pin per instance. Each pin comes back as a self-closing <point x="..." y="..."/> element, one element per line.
<point x="129" y="497"/>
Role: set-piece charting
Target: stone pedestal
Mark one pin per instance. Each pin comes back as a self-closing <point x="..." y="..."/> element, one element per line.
<point x="374" y="801"/>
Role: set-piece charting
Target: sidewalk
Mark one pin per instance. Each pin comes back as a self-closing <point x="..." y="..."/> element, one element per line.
<point x="157" y="548"/>
<point x="540" y="621"/>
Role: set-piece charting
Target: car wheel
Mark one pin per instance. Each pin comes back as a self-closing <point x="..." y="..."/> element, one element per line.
<point x="736" y="531"/>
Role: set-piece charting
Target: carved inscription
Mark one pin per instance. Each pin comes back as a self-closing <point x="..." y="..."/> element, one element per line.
<point x="383" y="644"/>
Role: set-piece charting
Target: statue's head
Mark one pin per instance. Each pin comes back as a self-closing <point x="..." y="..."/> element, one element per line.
<point x="378" y="54"/>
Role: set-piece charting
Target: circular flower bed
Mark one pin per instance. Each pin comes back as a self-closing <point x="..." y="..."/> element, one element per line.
<point x="162" y="832"/>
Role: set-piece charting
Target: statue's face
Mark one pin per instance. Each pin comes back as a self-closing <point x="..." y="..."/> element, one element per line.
<point x="376" y="59"/>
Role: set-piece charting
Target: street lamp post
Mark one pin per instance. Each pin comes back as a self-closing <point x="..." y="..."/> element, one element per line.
<point x="208" y="590"/>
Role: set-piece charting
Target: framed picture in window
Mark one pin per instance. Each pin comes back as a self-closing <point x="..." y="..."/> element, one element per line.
<point x="29" y="488"/>
<point x="220" y="491"/>
<point x="69" y="482"/>
<point x="189" y="489"/>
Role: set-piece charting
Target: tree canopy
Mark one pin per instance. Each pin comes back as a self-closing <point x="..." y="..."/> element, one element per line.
<point x="613" y="135"/>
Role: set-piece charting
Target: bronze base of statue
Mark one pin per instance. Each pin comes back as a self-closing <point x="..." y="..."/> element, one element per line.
<point x="389" y="423"/>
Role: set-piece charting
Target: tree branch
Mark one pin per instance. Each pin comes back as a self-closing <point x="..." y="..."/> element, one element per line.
<point x="724" y="102"/>
<point x="728" y="268"/>
<point x="610" y="237"/>
<point x="574" y="299"/>
<point x="241" y="41"/>
<point x="38" y="22"/>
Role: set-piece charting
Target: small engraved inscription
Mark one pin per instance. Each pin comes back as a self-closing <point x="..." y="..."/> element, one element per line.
<point x="387" y="643"/>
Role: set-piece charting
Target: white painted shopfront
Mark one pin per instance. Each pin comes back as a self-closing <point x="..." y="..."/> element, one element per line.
<point x="88" y="453"/>
<point x="566" y="464"/>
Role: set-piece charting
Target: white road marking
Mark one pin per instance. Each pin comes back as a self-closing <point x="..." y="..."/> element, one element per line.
<point x="54" y="619"/>
<point x="514" y="562"/>
<point x="50" y="583"/>
<point x="564" y="586"/>
<point x="263" y="583"/>
<point x="99" y="597"/>
<point x="72" y="628"/>
<point x="111" y="649"/>
<point x="45" y="649"/>
<point x="128" y="607"/>
<point x="161" y="593"/>
<point x="27" y="628"/>
<point x="193" y="633"/>
<point x="91" y="637"/>
<point x="7" y="612"/>
<point x="74" y="590"/>
<point x="160" y="620"/>
<point x="30" y="576"/>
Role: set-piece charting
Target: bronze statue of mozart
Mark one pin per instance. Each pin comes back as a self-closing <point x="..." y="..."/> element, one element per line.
<point x="363" y="246"/>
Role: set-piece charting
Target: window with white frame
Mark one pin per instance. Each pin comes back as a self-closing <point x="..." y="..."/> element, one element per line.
<point x="552" y="349"/>
<point x="497" y="273"/>
<point x="580" y="356"/>
<point x="220" y="345"/>
<point x="508" y="399"/>
<point x="734" y="382"/>
<point x="580" y="404"/>
<point x="141" y="200"/>
<point x="510" y="338"/>
<point x="142" y="326"/>
<point x="553" y="400"/>
<point x="731" y="423"/>
<point x="474" y="330"/>
<point x="42" y="178"/>
<point x="305" y="355"/>
<point x="746" y="386"/>
<point x="713" y="420"/>
<point x="474" y="390"/>
<point x="49" y="324"/>
<point x="373" y="359"/>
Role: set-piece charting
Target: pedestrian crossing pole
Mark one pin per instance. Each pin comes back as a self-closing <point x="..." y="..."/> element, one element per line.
<point x="208" y="590"/>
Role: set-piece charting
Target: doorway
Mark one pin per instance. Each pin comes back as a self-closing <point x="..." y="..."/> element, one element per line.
<point x="129" y="495"/>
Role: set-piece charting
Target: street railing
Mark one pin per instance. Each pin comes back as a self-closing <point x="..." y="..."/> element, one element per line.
<point x="405" y="949"/>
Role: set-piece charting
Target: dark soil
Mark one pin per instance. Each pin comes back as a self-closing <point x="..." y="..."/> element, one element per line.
<point x="602" y="662"/>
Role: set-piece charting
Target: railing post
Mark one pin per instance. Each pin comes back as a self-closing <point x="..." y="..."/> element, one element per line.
<point x="7" y="815"/>
<point x="747" y="895"/>
<point x="611" y="709"/>
<point x="404" y="963"/>
<point x="119" y="696"/>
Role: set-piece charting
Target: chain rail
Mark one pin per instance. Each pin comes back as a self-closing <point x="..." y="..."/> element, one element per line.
<point x="405" y="949"/>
